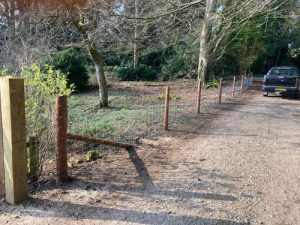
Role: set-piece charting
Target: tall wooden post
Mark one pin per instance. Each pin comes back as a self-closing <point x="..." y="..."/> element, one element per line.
<point x="234" y="87"/>
<point x="242" y="84"/>
<point x="220" y="90"/>
<point x="199" y="96"/>
<point x="2" y="176"/>
<point x="167" y="105"/>
<point x="14" y="139"/>
<point x="61" y="138"/>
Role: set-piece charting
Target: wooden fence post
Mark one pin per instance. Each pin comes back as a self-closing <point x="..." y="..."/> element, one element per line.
<point x="242" y="84"/>
<point x="2" y="176"/>
<point x="234" y="87"/>
<point x="220" y="90"/>
<point x="167" y="105"/>
<point x="14" y="139"/>
<point x="61" y="138"/>
<point x="33" y="159"/>
<point x="199" y="96"/>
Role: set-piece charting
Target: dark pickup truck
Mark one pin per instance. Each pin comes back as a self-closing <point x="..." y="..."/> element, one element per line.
<point x="282" y="80"/>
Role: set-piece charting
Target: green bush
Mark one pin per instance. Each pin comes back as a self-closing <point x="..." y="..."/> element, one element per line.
<point x="212" y="84"/>
<point x="73" y="63"/>
<point x="140" y="73"/>
<point x="43" y="85"/>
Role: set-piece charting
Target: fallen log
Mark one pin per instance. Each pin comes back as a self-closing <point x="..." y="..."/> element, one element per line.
<point x="99" y="141"/>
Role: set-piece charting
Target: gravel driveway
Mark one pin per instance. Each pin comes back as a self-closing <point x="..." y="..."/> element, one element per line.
<point x="239" y="164"/>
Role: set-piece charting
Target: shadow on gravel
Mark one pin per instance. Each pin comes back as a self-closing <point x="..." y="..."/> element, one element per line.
<point x="79" y="212"/>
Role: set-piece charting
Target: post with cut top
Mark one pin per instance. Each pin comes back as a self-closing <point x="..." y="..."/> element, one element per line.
<point x="61" y="138"/>
<point x="167" y="105"/>
<point x="234" y="87"/>
<point x="199" y="96"/>
<point x="14" y="139"/>
<point x="242" y="83"/>
<point x="220" y="90"/>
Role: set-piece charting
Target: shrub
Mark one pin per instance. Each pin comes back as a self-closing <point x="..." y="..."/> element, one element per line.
<point x="212" y="84"/>
<point x="73" y="63"/>
<point x="42" y="88"/>
<point x="140" y="73"/>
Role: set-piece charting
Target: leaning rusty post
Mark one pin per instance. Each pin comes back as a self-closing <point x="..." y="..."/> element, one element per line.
<point x="167" y="105"/>
<point x="234" y="87"/>
<point x="61" y="138"/>
<point x="199" y="96"/>
<point x="220" y="90"/>
<point x="242" y="84"/>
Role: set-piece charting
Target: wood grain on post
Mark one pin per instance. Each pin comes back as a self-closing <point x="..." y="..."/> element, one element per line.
<point x="2" y="176"/>
<point x="220" y="90"/>
<point x="242" y="84"/>
<point x="14" y="139"/>
<point x="234" y="87"/>
<point x="167" y="105"/>
<point x="199" y="96"/>
<point x="61" y="138"/>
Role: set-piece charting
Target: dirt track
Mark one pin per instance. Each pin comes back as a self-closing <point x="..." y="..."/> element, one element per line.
<point x="236" y="166"/>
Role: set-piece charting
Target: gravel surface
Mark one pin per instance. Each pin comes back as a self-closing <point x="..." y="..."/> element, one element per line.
<point x="238" y="164"/>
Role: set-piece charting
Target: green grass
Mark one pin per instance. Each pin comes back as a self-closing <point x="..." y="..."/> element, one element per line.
<point x="126" y="117"/>
<point x="132" y="113"/>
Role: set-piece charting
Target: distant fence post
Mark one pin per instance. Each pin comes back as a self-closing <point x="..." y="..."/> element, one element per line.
<point x="33" y="159"/>
<point x="242" y="83"/>
<point x="167" y="105"/>
<point x="220" y="90"/>
<point x="2" y="176"/>
<point x="234" y="87"/>
<point x="199" y="96"/>
<point x="61" y="138"/>
<point x="14" y="139"/>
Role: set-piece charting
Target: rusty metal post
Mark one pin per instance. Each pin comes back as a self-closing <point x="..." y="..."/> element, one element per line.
<point x="199" y="96"/>
<point x="61" y="138"/>
<point x="242" y="84"/>
<point x="234" y="87"/>
<point x="167" y="105"/>
<point x="220" y="90"/>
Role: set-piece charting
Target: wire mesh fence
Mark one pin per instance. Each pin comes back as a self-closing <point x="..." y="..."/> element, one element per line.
<point x="137" y="110"/>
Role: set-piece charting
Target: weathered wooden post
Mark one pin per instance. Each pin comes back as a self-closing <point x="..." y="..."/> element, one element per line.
<point x="167" y="105"/>
<point x="220" y="90"/>
<point x="33" y="159"/>
<point x="61" y="138"/>
<point x="234" y="87"/>
<point x="2" y="177"/>
<point x="242" y="84"/>
<point x="199" y="96"/>
<point x="14" y="139"/>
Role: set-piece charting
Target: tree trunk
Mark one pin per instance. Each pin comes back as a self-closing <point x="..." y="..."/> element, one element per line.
<point x="210" y="73"/>
<point x="99" y="66"/>
<point x="135" y="43"/>
<point x="204" y="50"/>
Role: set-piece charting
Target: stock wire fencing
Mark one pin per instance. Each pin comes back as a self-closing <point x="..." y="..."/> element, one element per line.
<point x="137" y="110"/>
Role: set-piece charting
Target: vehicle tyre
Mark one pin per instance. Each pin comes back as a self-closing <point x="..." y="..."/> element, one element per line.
<point x="265" y="94"/>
